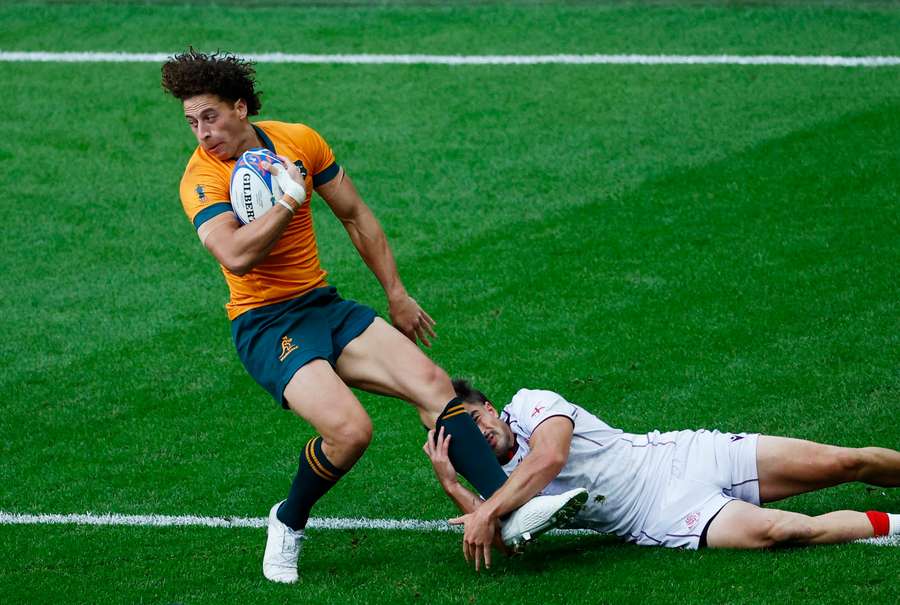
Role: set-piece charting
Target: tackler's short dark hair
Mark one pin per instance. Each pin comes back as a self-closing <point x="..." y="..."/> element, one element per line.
<point x="468" y="394"/>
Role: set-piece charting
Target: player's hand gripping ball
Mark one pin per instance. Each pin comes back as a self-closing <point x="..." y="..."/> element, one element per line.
<point x="254" y="190"/>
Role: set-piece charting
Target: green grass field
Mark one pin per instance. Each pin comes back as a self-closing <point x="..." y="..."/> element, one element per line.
<point x="669" y="246"/>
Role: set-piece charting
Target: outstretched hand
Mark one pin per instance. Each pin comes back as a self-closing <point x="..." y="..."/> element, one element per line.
<point x="479" y="530"/>
<point x="412" y="320"/>
<point x="437" y="449"/>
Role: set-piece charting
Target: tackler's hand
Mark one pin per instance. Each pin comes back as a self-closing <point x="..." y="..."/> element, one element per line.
<point x="437" y="447"/>
<point x="478" y="534"/>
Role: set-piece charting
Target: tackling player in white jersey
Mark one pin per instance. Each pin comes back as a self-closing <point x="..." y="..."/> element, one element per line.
<point x="677" y="489"/>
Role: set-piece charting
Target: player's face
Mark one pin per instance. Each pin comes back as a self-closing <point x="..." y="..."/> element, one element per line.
<point x="498" y="434"/>
<point x="220" y="126"/>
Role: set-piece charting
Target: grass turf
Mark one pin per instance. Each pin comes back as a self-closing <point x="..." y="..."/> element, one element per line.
<point x="671" y="247"/>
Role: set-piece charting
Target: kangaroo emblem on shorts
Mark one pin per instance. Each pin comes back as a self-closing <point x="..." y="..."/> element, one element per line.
<point x="287" y="347"/>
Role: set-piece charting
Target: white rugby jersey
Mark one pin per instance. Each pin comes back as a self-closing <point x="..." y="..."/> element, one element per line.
<point x="624" y="473"/>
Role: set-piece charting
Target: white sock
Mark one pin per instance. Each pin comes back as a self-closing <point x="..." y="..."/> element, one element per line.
<point x="894" y="524"/>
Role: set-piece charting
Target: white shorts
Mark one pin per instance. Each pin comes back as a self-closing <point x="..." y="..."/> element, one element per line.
<point x="709" y="470"/>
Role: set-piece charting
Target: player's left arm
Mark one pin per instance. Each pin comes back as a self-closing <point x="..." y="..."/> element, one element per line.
<point x="437" y="447"/>
<point x="369" y="238"/>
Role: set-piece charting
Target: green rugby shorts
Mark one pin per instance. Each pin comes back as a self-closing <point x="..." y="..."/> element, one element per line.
<point x="275" y="341"/>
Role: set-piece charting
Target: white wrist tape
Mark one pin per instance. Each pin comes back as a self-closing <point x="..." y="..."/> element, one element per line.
<point x="286" y="205"/>
<point x="287" y="184"/>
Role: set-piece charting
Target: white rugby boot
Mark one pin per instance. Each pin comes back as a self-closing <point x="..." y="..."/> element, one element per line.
<point x="540" y="514"/>
<point x="283" y="547"/>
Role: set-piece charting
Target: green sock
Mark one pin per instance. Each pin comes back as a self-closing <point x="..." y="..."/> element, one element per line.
<point x="315" y="476"/>
<point x="469" y="452"/>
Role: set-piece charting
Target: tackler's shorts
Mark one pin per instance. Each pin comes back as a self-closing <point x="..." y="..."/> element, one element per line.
<point x="709" y="470"/>
<point x="275" y="341"/>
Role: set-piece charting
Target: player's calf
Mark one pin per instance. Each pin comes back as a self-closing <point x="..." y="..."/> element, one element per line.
<point x="744" y="525"/>
<point x="794" y="529"/>
<point x="316" y="474"/>
<point x="842" y="526"/>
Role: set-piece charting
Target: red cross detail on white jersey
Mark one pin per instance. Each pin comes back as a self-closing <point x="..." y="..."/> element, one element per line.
<point x="537" y="410"/>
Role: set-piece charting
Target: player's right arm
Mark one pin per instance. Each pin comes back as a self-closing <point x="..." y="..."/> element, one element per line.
<point x="238" y="247"/>
<point x="549" y="450"/>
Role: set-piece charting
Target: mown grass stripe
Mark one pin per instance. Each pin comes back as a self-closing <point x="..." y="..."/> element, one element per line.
<point x="422" y="59"/>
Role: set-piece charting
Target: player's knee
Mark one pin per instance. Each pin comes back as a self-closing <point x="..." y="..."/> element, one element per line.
<point x="766" y="533"/>
<point x="353" y="436"/>
<point x="359" y="436"/>
<point x="436" y="378"/>
<point x="846" y="463"/>
<point x="435" y="388"/>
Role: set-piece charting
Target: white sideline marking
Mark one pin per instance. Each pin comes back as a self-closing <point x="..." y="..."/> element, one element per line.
<point x="260" y="522"/>
<point x="255" y="522"/>
<point x="883" y="541"/>
<point x="418" y="59"/>
<point x="198" y="521"/>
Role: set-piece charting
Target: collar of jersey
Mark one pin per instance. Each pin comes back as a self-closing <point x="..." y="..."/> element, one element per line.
<point x="266" y="141"/>
<point x="264" y="138"/>
<point x="512" y="451"/>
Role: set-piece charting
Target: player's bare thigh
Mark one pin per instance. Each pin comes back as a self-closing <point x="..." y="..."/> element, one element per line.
<point x="792" y="466"/>
<point x="788" y="467"/>
<point x="319" y="396"/>
<point x="382" y="360"/>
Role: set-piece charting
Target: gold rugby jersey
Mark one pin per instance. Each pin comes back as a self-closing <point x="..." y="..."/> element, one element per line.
<point x="292" y="267"/>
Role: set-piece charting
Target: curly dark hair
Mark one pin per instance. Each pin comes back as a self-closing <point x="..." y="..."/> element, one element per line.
<point x="193" y="73"/>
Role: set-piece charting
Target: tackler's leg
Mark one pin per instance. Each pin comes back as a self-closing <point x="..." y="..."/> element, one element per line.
<point x="743" y="525"/>
<point x="793" y="466"/>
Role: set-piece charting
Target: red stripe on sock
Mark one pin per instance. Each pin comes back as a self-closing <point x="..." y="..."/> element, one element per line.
<point x="880" y="522"/>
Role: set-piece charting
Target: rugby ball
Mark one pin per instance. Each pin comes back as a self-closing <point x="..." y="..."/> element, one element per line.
<point x="253" y="190"/>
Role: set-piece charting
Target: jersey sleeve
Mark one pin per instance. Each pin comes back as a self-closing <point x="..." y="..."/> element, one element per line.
<point x="324" y="167"/>
<point x="204" y="194"/>
<point x="532" y="407"/>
